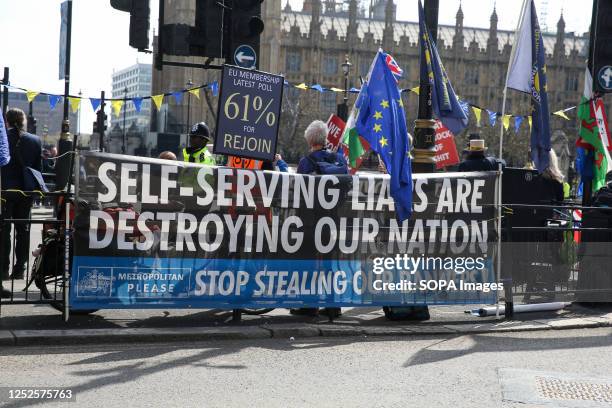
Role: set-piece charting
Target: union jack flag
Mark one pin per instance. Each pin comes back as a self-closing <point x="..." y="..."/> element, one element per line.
<point x="394" y="67"/>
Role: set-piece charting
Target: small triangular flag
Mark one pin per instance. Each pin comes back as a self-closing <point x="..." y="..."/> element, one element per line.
<point x="416" y="90"/>
<point x="317" y="87"/>
<point x="31" y="95"/>
<point x="53" y="100"/>
<point x="214" y="87"/>
<point x="117" y="105"/>
<point x="506" y="121"/>
<point x="529" y="119"/>
<point x="302" y="86"/>
<point x="95" y="103"/>
<point x="137" y="104"/>
<point x="178" y="97"/>
<point x="561" y="114"/>
<point x="477" y="112"/>
<point x="195" y="92"/>
<point x="74" y="103"/>
<point x="492" y="118"/>
<point x="517" y="123"/>
<point x="157" y="100"/>
<point x="354" y="90"/>
<point x="336" y="90"/>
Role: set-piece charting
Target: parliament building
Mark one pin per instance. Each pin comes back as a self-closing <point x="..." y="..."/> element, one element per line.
<point x="310" y="45"/>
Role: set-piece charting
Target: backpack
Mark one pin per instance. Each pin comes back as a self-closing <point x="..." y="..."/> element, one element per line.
<point x="329" y="165"/>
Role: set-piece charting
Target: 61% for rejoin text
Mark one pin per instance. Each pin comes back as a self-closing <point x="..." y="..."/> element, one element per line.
<point x="236" y="109"/>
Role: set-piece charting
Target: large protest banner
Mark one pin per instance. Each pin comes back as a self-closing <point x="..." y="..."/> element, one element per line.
<point x="155" y="233"/>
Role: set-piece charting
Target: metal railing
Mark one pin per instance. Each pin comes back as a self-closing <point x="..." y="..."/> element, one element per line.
<point x="35" y="254"/>
<point x="556" y="253"/>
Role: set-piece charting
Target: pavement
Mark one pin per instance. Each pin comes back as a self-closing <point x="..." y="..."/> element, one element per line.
<point x="543" y="369"/>
<point x="26" y="324"/>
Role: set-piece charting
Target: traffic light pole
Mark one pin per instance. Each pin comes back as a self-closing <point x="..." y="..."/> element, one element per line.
<point x="5" y="81"/>
<point x="65" y="145"/>
<point x="67" y="66"/>
<point x="31" y="119"/>
<point x="101" y="123"/>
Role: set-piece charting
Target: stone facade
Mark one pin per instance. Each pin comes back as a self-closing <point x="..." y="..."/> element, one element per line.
<point x="310" y="46"/>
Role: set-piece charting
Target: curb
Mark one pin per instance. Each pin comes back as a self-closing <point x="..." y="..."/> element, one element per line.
<point x="279" y="331"/>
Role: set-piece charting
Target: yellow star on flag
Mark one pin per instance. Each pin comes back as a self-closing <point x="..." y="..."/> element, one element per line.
<point x="378" y="115"/>
<point x="383" y="142"/>
<point x="400" y="103"/>
<point x="384" y="104"/>
<point x="377" y="127"/>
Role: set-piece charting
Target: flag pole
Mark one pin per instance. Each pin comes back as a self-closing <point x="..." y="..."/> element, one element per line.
<point x="509" y="302"/>
<point x="505" y="91"/>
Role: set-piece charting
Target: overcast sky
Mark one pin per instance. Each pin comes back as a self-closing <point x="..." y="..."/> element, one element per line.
<point x="29" y="34"/>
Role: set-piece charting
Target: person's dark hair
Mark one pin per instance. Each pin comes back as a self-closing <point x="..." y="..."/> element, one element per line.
<point x="16" y="118"/>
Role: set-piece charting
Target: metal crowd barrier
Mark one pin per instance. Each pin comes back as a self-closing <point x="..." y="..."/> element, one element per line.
<point x="558" y="253"/>
<point x="45" y="254"/>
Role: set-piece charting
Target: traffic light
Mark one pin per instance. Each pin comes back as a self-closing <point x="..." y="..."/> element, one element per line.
<point x="140" y="12"/>
<point x="600" y="46"/>
<point x="32" y="124"/>
<point x="210" y="29"/>
<point x="100" y="123"/>
<point x="247" y="27"/>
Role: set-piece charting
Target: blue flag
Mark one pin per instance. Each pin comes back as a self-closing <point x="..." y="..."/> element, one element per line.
<point x="137" y="104"/>
<point x="381" y="120"/>
<point x="527" y="73"/>
<point x="214" y="87"/>
<point x="95" y="103"/>
<point x="444" y="101"/>
<point x="178" y="96"/>
<point x="517" y="123"/>
<point x="5" y="155"/>
<point x="53" y="100"/>
<point x="492" y="117"/>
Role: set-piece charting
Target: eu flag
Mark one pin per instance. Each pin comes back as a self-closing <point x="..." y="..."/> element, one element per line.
<point x="444" y="101"/>
<point x="381" y="120"/>
<point x="527" y="73"/>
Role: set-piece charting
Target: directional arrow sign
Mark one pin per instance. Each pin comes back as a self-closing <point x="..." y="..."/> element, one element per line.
<point x="605" y="77"/>
<point x="245" y="56"/>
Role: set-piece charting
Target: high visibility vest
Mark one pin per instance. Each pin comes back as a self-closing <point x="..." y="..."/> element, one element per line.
<point x="202" y="156"/>
<point x="241" y="163"/>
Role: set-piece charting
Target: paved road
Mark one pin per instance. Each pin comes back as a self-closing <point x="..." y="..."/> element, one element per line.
<point x="441" y="371"/>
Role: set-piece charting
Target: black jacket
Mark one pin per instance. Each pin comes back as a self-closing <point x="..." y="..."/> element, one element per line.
<point x="26" y="151"/>
<point x="478" y="162"/>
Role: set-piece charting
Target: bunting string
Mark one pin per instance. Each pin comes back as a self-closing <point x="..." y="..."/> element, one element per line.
<point x="118" y="104"/>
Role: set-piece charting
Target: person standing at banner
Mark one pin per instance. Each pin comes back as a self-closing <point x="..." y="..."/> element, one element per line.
<point x="553" y="179"/>
<point x="26" y="155"/>
<point x="476" y="160"/>
<point x="197" y="152"/>
<point x="320" y="161"/>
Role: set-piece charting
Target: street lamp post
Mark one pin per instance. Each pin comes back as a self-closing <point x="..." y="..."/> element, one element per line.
<point x="424" y="139"/>
<point x="343" y="108"/>
<point x="123" y="146"/>
<point x="423" y="161"/>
